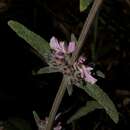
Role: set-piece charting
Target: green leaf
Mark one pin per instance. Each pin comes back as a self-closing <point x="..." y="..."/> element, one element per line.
<point x="69" y="86"/>
<point x="102" y="98"/>
<point x="73" y="38"/>
<point x="100" y="74"/>
<point x="41" y="124"/>
<point x="36" y="117"/>
<point x="83" y="111"/>
<point x="37" y="42"/>
<point x="46" y="70"/>
<point x="69" y="89"/>
<point x="84" y="4"/>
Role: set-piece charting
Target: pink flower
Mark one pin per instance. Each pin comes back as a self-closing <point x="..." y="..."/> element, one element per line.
<point x="60" y="50"/>
<point x="58" y="127"/>
<point x="60" y="47"/>
<point x="71" y="48"/>
<point x="79" y="62"/>
<point x="86" y="74"/>
<point x="42" y="124"/>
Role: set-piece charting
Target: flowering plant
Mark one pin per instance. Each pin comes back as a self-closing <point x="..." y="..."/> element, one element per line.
<point x="61" y="57"/>
<point x="64" y="58"/>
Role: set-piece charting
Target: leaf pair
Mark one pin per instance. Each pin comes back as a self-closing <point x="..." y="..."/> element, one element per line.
<point x="102" y="102"/>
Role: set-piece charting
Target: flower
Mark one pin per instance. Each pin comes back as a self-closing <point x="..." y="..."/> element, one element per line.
<point x="58" y="127"/>
<point x="42" y="124"/>
<point x="86" y="74"/>
<point x="85" y="71"/>
<point x="81" y="60"/>
<point x="78" y="68"/>
<point x="60" y="48"/>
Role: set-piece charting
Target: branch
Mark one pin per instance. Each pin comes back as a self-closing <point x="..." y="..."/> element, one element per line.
<point x="57" y="102"/>
<point x="81" y="40"/>
<point x="89" y="20"/>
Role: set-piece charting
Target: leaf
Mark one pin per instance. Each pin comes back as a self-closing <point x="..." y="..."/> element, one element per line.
<point x="102" y="98"/>
<point x="37" y="42"/>
<point x="36" y="117"/>
<point x="100" y="74"/>
<point x="84" y="4"/>
<point x="83" y="111"/>
<point x="46" y="70"/>
<point x="73" y="38"/>
<point x="70" y="90"/>
<point x="69" y="86"/>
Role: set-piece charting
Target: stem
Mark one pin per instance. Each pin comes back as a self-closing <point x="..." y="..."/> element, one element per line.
<point x="81" y="40"/>
<point x="86" y="27"/>
<point x="57" y="102"/>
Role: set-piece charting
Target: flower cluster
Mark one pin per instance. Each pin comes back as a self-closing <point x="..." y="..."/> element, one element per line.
<point x="42" y="124"/>
<point x="85" y="71"/>
<point x="61" y="51"/>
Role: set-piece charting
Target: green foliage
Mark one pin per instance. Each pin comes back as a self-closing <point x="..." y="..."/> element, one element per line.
<point x="84" y="4"/>
<point x="36" y="117"/>
<point x="73" y="38"/>
<point x="36" y="42"/>
<point x="46" y="70"/>
<point x="42" y="47"/>
<point x="83" y="111"/>
<point x="100" y="74"/>
<point x="102" y="98"/>
<point x="69" y="86"/>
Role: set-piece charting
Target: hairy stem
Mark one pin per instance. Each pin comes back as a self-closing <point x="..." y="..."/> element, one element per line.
<point x="81" y="40"/>
<point x="86" y="27"/>
<point x="57" y="102"/>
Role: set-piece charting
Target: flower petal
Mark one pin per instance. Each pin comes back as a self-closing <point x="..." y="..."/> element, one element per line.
<point x="58" y="127"/>
<point x="81" y="60"/>
<point x="88" y="69"/>
<point x="90" y="79"/>
<point x="59" y="55"/>
<point x="71" y="47"/>
<point x="81" y="72"/>
<point x="54" y="44"/>
<point x="62" y="47"/>
<point x="87" y="73"/>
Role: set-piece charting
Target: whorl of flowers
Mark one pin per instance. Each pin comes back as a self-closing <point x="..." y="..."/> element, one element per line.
<point x="61" y="52"/>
